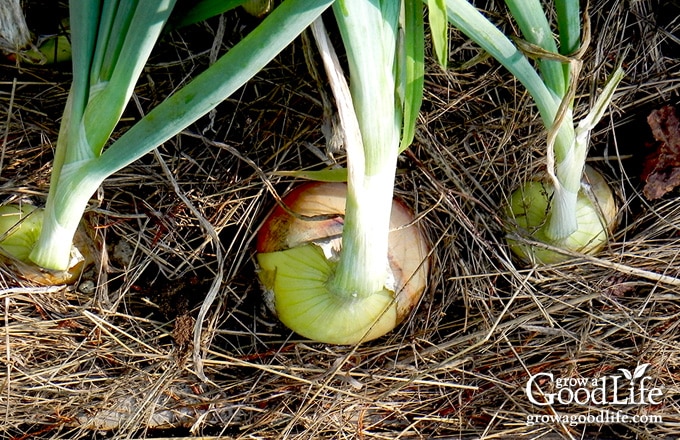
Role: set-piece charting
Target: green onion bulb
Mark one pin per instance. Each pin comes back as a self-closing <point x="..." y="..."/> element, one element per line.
<point x="20" y="226"/>
<point x="297" y="255"/>
<point x="529" y="211"/>
<point x="257" y="8"/>
<point x="19" y="230"/>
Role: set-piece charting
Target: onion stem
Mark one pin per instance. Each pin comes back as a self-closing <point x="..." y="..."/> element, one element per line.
<point x="362" y="269"/>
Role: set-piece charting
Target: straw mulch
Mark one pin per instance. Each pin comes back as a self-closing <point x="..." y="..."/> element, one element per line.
<point x="111" y="357"/>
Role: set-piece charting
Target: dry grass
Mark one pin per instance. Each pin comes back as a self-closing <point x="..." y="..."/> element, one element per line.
<point x="111" y="356"/>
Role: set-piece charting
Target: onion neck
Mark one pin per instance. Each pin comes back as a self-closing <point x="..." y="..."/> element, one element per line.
<point x="63" y="213"/>
<point x="363" y="266"/>
<point x="570" y="160"/>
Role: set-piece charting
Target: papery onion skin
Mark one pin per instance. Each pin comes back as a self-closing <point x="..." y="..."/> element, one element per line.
<point x="295" y="270"/>
<point x="596" y="213"/>
<point x="314" y="199"/>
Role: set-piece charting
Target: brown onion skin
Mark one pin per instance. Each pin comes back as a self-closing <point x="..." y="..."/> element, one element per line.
<point x="283" y="231"/>
<point x="408" y="245"/>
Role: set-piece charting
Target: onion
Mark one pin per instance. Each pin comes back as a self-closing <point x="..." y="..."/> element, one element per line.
<point x="297" y="257"/>
<point x="20" y="226"/>
<point x="19" y="229"/>
<point x="596" y="214"/>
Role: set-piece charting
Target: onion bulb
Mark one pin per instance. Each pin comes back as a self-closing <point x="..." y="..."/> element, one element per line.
<point x="19" y="229"/>
<point x="257" y="8"/>
<point x="596" y="214"/>
<point x="297" y="255"/>
<point x="20" y="226"/>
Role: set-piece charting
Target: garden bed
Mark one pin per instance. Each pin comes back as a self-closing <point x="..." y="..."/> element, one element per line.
<point x="111" y="356"/>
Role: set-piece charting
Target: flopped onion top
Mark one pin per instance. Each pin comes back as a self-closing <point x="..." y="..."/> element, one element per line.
<point x="297" y="254"/>
<point x="596" y="215"/>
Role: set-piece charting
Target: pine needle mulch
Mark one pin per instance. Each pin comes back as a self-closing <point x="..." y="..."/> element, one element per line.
<point x="111" y="356"/>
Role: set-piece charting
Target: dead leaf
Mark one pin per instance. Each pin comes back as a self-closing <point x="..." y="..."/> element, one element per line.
<point x="661" y="171"/>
